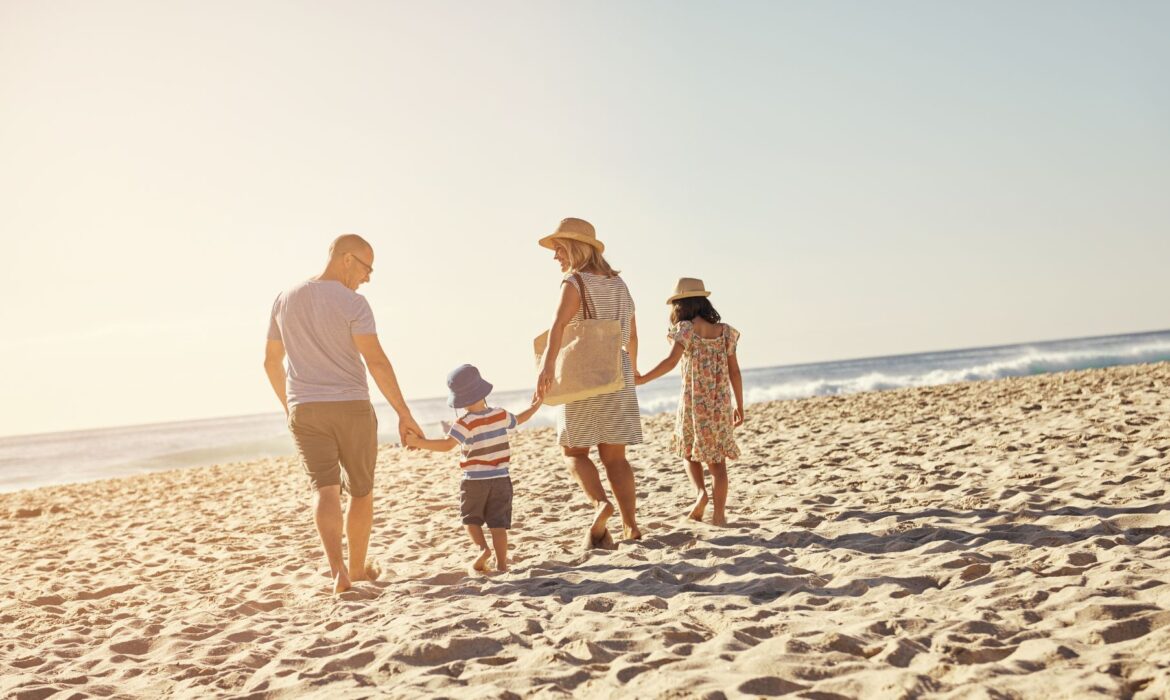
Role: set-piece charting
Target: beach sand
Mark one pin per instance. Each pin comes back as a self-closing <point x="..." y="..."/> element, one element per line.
<point x="989" y="540"/>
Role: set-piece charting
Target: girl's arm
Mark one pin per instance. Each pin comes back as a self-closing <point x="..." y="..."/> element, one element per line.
<point x="444" y="445"/>
<point x="663" y="367"/>
<point x="568" y="305"/>
<point x="736" y="386"/>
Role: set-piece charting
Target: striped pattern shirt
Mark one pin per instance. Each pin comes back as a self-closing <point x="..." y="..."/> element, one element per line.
<point x="483" y="441"/>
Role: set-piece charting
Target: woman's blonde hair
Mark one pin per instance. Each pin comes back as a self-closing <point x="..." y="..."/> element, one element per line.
<point x="583" y="256"/>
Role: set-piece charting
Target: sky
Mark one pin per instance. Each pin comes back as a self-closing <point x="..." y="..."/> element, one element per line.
<point x="849" y="178"/>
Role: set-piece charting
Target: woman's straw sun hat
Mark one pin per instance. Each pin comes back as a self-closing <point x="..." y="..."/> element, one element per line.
<point x="688" y="287"/>
<point x="574" y="230"/>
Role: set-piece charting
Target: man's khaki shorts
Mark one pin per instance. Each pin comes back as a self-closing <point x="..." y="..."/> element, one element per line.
<point x="331" y="435"/>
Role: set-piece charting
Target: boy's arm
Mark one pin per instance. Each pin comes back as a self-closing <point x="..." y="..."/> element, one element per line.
<point x="444" y="445"/>
<point x="663" y="367"/>
<point x="531" y="410"/>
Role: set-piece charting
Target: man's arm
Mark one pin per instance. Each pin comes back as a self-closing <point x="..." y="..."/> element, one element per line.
<point x="383" y="373"/>
<point x="274" y="368"/>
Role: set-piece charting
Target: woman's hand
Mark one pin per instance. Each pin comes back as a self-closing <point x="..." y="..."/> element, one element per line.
<point x="639" y="380"/>
<point x="545" y="378"/>
<point x="737" y="418"/>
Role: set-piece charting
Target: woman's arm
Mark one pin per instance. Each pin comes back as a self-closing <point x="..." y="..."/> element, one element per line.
<point x="566" y="308"/>
<point x="632" y="346"/>
<point x="736" y="386"/>
<point x="663" y="367"/>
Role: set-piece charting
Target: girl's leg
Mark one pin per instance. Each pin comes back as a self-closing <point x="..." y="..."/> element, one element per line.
<point x="695" y="472"/>
<point x="480" y="563"/>
<point x="719" y="487"/>
<point x="621" y="480"/>
<point x="585" y="472"/>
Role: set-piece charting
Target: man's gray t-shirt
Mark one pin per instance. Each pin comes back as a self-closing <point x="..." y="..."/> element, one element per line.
<point x="316" y="320"/>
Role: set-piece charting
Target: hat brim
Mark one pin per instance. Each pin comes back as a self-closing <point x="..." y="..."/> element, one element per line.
<point x="466" y="398"/>
<point x="687" y="295"/>
<point x="547" y="241"/>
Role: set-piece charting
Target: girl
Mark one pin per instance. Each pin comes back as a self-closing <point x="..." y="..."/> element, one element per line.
<point x="703" y="431"/>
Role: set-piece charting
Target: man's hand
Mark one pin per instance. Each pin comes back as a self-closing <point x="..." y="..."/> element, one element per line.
<point x="408" y="426"/>
<point x="411" y="440"/>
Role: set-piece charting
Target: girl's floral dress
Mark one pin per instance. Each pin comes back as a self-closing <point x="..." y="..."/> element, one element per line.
<point x="703" y="431"/>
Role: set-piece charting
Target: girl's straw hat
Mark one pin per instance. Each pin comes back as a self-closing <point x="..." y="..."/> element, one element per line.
<point x="688" y="287"/>
<point x="575" y="230"/>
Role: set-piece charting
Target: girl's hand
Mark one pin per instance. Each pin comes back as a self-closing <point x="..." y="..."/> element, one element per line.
<point x="737" y="418"/>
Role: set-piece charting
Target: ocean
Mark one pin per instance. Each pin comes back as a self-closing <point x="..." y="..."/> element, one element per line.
<point x="39" y="460"/>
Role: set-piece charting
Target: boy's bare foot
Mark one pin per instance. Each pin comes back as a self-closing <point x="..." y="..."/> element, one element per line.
<point x="480" y="563"/>
<point x="699" y="508"/>
<point x="604" y="512"/>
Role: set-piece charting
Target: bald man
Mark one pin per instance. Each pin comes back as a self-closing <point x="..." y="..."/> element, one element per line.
<point x="325" y="328"/>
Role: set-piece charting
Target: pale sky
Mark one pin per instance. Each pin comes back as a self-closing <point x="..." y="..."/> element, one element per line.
<point x="850" y="179"/>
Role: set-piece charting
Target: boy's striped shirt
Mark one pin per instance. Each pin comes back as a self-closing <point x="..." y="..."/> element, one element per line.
<point x="483" y="440"/>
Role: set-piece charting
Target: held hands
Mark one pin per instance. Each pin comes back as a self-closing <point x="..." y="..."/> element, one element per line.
<point x="544" y="380"/>
<point x="412" y="441"/>
<point x="407" y="427"/>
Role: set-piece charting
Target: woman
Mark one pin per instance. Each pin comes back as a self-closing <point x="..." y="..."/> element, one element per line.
<point x="610" y="421"/>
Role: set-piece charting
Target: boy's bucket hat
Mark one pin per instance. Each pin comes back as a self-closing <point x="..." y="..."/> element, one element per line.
<point x="575" y="230"/>
<point x="466" y="386"/>
<point x="688" y="287"/>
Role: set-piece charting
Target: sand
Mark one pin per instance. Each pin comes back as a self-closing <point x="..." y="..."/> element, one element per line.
<point x="988" y="540"/>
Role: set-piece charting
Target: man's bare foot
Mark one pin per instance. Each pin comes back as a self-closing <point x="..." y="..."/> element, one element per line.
<point x="719" y="519"/>
<point x="631" y="533"/>
<point x="480" y="563"/>
<point x="341" y="583"/>
<point x="699" y="508"/>
<point x="604" y="511"/>
<point x="603" y="542"/>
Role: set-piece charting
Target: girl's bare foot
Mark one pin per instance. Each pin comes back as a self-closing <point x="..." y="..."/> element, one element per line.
<point x="480" y="563"/>
<point x="699" y="508"/>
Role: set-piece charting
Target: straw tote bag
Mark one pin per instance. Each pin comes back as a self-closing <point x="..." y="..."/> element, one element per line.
<point x="590" y="361"/>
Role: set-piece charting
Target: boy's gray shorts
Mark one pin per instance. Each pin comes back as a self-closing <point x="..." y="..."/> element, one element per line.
<point x="486" y="501"/>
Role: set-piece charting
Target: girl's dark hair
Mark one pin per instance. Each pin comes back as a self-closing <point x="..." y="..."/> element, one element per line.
<point x="686" y="309"/>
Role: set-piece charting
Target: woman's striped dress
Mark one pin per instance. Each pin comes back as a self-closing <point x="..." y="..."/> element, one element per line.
<point x="610" y="419"/>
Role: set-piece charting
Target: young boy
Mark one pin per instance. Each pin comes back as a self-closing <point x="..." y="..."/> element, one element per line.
<point x="482" y="434"/>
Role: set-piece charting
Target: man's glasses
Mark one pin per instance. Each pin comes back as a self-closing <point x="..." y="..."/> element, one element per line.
<point x="369" y="267"/>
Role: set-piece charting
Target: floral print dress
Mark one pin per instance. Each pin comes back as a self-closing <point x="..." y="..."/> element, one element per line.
<point x="703" y="430"/>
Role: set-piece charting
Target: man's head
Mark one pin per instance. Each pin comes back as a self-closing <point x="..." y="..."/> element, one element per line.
<point x="351" y="260"/>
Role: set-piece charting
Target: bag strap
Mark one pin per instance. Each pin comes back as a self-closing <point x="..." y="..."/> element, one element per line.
<point x="586" y="311"/>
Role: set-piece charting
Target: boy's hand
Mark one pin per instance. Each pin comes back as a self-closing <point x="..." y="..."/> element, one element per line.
<point x="737" y="418"/>
<point x="537" y="399"/>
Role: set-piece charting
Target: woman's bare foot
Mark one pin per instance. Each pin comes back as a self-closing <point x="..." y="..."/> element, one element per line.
<point x="604" y="513"/>
<point x="341" y="583"/>
<point x="631" y="533"/>
<point x="699" y="508"/>
<point x="480" y="563"/>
